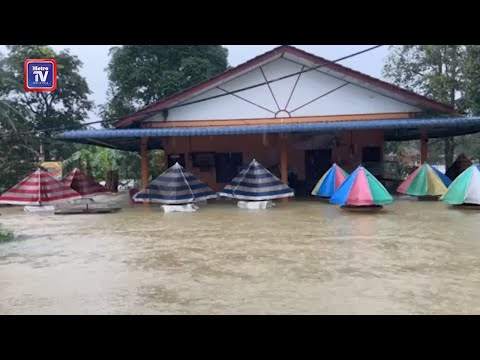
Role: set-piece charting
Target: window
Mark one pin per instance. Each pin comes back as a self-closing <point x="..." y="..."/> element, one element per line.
<point x="203" y="161"/>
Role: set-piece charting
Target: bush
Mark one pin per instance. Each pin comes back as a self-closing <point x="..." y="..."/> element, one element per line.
<point x="6" y="235"/>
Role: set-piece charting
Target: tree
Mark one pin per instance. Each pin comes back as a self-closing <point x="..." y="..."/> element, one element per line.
<point x="98" y="162"/>
<point x="471" y="99"/>
<point x="140" y="75"/>
<point x="66" y="107"/>
<point x="18" y="156"/>
<point x="436" y="71"/>
<point x="17" y="152"/>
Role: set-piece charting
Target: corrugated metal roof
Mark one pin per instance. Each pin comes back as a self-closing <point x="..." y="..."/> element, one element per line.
<point x="397" y="129"/>
<point x="256" y="129"/>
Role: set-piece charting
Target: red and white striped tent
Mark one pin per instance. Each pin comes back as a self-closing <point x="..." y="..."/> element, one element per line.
<point x="39" y="188"/>
<point x="83" y="184"/>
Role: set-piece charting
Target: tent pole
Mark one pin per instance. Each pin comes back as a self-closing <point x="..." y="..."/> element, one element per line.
<point x="144" y="159"/>
<point x="284" y="160"/>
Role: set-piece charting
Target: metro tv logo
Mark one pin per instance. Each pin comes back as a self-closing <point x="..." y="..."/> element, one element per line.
<point x="40" y="75"/>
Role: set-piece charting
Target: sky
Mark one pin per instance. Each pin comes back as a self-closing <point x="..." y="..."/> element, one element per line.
<point x="95" y="60"/>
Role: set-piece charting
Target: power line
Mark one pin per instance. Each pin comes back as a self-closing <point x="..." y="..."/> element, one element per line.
<point x="280" y="78"/>
<point x="149" y="113"/>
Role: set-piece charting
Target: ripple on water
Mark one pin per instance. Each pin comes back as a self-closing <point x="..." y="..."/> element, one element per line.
<point x="301" y="257"/>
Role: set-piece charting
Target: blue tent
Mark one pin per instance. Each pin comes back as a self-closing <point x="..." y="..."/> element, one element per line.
<point x="445" y="179"/>
<point x="256" y="183"/>
<point x="175" y="186"/>
<point x="330" y="182"/>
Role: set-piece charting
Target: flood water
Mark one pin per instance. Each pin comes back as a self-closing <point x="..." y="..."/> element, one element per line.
<point x="301" y="257"/>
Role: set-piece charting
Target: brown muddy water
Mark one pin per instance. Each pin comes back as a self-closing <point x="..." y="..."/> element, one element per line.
<point x="301" y="257"/>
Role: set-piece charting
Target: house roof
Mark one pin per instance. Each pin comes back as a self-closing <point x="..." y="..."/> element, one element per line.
<point x="396" y="129"/>
<point x="281" y="51"/>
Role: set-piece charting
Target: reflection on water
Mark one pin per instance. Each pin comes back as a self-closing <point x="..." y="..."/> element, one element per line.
<point x="302" y="257"/>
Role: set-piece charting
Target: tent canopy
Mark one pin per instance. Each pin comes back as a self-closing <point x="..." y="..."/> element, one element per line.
<point x="82" y="183"/>
<point x="39" y="188"/>
<point x="425" y="181"/>
<point x="256" y="183"/>
<point x="465" y="189"/>
<point x="461" y="163"/>
<point x="361" y="188"/>
<point x="330" y="182"/>
<point x="175" y="186"/>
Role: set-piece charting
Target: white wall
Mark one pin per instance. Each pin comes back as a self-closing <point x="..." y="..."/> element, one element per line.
<point x="350" y="99"/>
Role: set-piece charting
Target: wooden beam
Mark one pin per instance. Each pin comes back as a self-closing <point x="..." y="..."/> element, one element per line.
<point x="284" y="159"/>
<point x="268" y="121"/>
<point x="423" y="146"/>
<point x="144" y="159"/>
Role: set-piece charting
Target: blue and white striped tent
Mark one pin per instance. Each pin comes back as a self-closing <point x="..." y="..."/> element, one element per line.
<point x="256" y="183"/>
<point x="175" y="186"/>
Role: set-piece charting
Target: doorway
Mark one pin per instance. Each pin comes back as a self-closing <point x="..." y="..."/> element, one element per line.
<point x="317" y="162"/>
<point x="372" y="160"/>
<point x="227" y="166"/>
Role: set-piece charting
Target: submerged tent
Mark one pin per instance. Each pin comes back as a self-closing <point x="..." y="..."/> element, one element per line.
<point x="175" y="186"/>
<point x="39" y="188"/>
<point x="83" y="184"/>
<point x="361" y="188"/>
<point x="330" y="182"/>
<point x="460" y="164"/>
<point x="465" y="189"/>
<point x="256" y="183"/>
<point x="425" y="181"/>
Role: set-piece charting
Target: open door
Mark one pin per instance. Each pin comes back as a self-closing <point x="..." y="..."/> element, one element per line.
<point x="317" y="162"/>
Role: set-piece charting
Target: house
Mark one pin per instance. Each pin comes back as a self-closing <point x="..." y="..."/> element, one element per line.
<point x="294" y="112"/>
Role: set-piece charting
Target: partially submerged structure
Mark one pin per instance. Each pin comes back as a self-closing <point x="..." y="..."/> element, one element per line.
<point x="465" y="189"/>
<point x="287" y="108"/>
<point x="177" y="189"/>
<point x="39" y="192"/>
<point x="84" y="206"/>
<point x="361" y="191"/>
<point x="83" y="184"/>
<point x="461" y="163"/>
<point x="257" y="186"/>
<point x="330" y="182"/>
<point x="426" y="182"/>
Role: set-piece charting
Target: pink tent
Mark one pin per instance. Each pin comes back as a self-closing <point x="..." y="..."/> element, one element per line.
<point x="83" y="184"/>
<point x="39" y="188"/>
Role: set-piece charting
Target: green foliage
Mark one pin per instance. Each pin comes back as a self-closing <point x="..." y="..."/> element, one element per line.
<point x="98" y="161"/>
<point x="25" y="115"/>
<point x="398" y="169"/>
<point x="18" y="157"/>
<point x="472" y="80"/>
<point x="446" y="73"/>
<point x="140" y="75"/>
<point x="394" y="147"/>
<point x="6" y="235"/>
<point x="435" y="71"/>
<point x="66" y="107"/>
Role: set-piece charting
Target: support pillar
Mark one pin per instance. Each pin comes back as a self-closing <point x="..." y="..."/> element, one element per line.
<point x="284" y="160"/>
<point x="144" y="159"/>
<point x="165" y="156"/>
<point x="423" y="146"/>
<point x="265" y="139"/>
